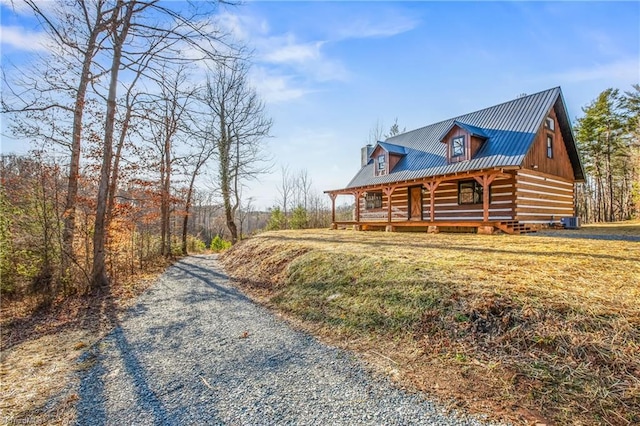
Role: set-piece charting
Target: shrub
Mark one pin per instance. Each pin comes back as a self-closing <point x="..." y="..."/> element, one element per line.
<point x="277" y="220"/>
<point x="195" y="244"/>
<point x="299" y="218"/>
<point x="218" y="244"/>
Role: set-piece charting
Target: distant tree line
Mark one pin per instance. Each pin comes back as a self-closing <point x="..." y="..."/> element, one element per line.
<point x="608" y="137"/>
<point x="299" y="205"/>
<point x="130" y="103"/>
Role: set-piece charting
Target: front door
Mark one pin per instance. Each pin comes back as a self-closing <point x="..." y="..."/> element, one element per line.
<point x="415" y="203"/>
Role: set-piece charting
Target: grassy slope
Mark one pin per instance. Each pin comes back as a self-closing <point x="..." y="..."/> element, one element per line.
<point x="528" y="327"/>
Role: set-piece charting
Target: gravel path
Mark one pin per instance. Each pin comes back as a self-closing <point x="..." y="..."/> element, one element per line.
<point x="196" y="351"/>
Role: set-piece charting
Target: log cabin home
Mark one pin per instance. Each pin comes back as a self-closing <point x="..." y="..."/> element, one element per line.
<point x="511" y="167"/>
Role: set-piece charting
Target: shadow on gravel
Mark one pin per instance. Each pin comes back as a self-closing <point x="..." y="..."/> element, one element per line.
<point x="116" y="386"/>
<point x="91" y="409"/>
<point x="206" y="275"/>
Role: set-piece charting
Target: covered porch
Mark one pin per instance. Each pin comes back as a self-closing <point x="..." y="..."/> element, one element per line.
<point x="480" y="201"/>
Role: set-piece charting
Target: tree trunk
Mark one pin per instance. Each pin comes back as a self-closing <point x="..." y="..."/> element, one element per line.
<point x="187" y="208"/>
<point x="99" y="277"/>
<point x="69" y="215"/>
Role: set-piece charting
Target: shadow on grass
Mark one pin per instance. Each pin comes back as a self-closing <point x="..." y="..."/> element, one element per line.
<point x="451" y="247"/>
<point x="87" y="312"/>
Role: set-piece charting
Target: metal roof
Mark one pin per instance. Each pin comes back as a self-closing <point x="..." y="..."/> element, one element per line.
<point x="510" y="129"/>
<point x="390" y="148"/>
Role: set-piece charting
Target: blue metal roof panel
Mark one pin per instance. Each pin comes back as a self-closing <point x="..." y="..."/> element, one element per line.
<point x="391" y="148"/>
<point x="473" y="130"/>
<point x="510" y="129"/>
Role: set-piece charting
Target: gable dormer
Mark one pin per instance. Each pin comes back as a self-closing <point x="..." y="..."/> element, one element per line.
<point x="463" y="141"/>
<point x="385" y="157"/>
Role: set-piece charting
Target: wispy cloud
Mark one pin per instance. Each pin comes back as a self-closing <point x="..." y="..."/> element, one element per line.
<point x="292" y="65"/>
<point x="387" y="26"/>
<point x="276" y="88"/>
<point x="286" y="49"/>
<point x="19" y="38"/>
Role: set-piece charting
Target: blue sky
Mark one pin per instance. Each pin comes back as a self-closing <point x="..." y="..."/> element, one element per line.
<point x="329" y="70"/>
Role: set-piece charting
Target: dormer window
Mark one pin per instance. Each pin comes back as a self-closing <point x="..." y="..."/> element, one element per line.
<point x="381" y="163"/>
<point x="457" y="146"/>
<point x="550" y="123"/>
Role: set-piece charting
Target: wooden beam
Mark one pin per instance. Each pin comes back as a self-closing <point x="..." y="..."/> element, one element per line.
<point x="485" y="181"/>
<point x="388" y="191"/>
<point x="431" y="187"/>
<point x="357" y="194"/>
<point x="333" y="208"/>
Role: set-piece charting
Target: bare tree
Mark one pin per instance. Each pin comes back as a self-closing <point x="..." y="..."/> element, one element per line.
<point x="239" y="126"/>
<point x="202" y="148"/>
<point x="76" y="28"/>
<point x="135" y="24"/>
<point x="394" y="129"/>
<point x="303" y="183"/>
<point x="286" y="191"/>
<point x="376" y="133"/>
<point x="120" y="25"/>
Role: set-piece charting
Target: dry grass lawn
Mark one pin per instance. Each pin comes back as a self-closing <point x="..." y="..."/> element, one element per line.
<point x="37" y="382"/>
<point x="527" y="328"/>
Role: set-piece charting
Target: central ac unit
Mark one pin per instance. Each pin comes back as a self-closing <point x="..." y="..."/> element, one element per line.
<point x="570" y="222"/>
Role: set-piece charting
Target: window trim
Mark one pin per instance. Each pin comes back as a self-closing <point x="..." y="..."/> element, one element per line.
<point x="460" y="138"/>
<point x="375" y="198"/>
<point x="550" y="123"/>
<point x="477" y="191"/>
<point x="549" y="145"/>
<point x="382" y="165"/>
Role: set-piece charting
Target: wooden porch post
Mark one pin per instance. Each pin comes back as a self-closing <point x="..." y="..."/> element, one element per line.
<point x="485" y="181"/>
<point x="333" y="210"/>
<point x="388" y="191"/>
<point x="431" y="187"/>
<point x="357" y="195"/>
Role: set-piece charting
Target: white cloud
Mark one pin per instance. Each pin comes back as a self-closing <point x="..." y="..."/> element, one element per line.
<point x="289" y="51"/>
<point x="276" y="88"/>
<point x="22" y="39"/>
<point x="292" y="67"/>
<point x="242" y="27"/>
<point x="388" y="27"/>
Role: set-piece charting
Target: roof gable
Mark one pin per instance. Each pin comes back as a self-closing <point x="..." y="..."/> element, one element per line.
<point x="472" y="130"/>
<point x="390" y="148"/>
<point x="509" y="128"/>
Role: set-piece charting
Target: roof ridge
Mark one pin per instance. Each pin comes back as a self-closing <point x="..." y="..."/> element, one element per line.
<point x="480" y="110"/>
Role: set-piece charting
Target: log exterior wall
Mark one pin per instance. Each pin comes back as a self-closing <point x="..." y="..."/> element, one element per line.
<point x="542" y="198"/>
<point x="501" y="205"/>
<point x="537" y="160"/>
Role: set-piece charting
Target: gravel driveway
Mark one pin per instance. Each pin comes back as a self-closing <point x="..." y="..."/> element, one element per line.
<point x="194" y="350"/>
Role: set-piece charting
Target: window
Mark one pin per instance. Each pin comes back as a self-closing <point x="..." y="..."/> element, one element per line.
<point x="549" y="146"/>
<point x="457" y="146"/>
<point x="550" y="123"/>
<point x="381" y="162"/>
<point x="469" y="192"/>
<point x="373" y="200"/>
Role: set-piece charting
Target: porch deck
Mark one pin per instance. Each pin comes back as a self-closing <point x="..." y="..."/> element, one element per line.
<point x="509" y="227"/>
